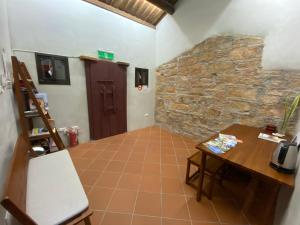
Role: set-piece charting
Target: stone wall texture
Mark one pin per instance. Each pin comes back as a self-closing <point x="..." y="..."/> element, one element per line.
<point x="220" y="82"/>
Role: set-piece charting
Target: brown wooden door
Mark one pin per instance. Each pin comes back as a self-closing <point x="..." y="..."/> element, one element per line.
<point x="106" y="90"/>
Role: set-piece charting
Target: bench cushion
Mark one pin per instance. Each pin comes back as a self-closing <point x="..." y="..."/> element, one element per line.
<point x="54" y="191"/>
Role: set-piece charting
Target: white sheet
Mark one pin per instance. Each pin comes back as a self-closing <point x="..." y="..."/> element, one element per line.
<point x="54" y="191"/>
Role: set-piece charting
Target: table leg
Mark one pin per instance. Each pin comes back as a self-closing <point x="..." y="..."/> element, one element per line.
<point x="251" y="189"/>
<point x="188" y="168"/>
<point x="201" y="175"/>
<point x="268" y="213"/>
<point x="271" y="205"/>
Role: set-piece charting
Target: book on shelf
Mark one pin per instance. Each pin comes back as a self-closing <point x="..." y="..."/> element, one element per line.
<point x="42" y="99"/>
<point x="38" y="131"/>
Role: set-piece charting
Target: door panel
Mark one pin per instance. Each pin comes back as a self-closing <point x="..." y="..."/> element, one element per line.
<point x="106" y="88"/>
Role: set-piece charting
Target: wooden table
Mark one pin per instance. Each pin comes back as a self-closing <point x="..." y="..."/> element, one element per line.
<point x="253" y="155"/>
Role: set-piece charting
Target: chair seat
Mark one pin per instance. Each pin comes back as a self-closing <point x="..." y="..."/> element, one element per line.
<point x="54" y="190"/>
<point x="212" y="164"/>
<point x="212" y="169"/>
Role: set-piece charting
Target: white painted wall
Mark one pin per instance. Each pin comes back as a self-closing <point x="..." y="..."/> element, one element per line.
<point x="195" y="20"/>
<point x="8" y="127"/>
<point x="289" y="200"/>
<point x="73" y="28"/>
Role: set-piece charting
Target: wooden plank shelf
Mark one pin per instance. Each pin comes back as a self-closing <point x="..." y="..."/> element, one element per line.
<point x="33" y="137"/>
<point x="25" y="90"/>
<point x="31" y="114"/>
<point x="39" y="136"/>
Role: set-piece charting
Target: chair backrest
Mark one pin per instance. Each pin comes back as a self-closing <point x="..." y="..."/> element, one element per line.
<point x="14" y="198"/>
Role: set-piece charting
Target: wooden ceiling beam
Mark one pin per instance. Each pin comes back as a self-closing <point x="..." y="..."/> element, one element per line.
<point x="120" y="12"/>
<point x="165" y="5"/>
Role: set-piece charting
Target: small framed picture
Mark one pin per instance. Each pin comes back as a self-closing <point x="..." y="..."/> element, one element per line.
<point x="52" y="69"/>
<point x="141" y="77"/>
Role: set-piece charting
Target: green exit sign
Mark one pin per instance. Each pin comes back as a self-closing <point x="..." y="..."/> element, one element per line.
<point x="106" y="55"/>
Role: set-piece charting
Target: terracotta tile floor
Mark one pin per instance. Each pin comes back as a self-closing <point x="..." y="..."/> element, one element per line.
<point x="137" y="178"/>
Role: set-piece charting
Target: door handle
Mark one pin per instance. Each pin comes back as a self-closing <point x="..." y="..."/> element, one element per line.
<point x="104" y="99"/>
<point x="114" y="98"/>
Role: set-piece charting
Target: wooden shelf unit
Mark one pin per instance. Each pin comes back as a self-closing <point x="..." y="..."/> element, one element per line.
<point x="24" y="88"/>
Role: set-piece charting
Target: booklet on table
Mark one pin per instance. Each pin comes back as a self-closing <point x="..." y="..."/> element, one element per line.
<point x="222" y="143"/>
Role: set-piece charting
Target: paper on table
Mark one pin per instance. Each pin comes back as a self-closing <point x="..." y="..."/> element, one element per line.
<point x="270" y="138"/>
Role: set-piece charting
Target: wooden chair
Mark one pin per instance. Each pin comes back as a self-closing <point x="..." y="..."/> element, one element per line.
<point x="213" y="168"/>
<point x="33" y="194"/>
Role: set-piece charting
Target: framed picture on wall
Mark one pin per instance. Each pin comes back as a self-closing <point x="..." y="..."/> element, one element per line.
<point x="52" y="69"/>
<point x="141" y="77"/>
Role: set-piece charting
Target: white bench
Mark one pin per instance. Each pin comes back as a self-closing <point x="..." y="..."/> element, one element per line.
<point x="54" y="194"/>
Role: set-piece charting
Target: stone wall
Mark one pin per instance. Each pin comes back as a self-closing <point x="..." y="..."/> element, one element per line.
<point x="220" y="82"/>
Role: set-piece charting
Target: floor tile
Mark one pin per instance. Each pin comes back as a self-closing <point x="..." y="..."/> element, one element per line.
<point x="182" y="152"/>
<point x="130" y="141"/>
<point x="206" y="223"/>
<point x="116" y="219"/>
<point x="121" y="156"/>
<point x="166" y="142"/>
<point x="92" y="153"/>
<point x="228" y="212"/>
<point x="152" y="158"/>
<point x="76" y="153"/>
<point x="150" y="183"/>
<point x="145" y="220"/>
<point x="98" y="164"/>
<point x="108" y="179"/>
<point x="89" y="177"/>
<point x="138" y="149"/>
<point x="167" y="150"/>
<point x="123" y="201"/>
<point x="151" y="169"/>
<point x="172" y="185"/>
<point x="154" y="150"/>
<point x="133" y="167"/>
<point x="96" y="217"/>
<point x="137" y="157"/>
<point x="87" y="188"/>
<point x="99" y="198"/>
<point x="148" y="204"/>
<point x="189" y="191"/>
<point x="81" y="163"/>
<point x="179" y="144"/>
<point x="106" y="155"/>
<point x="174" y="206"/>
<point x="168" y="159"/>
<point x="125" y="148"/>
<point x="170" y="171"/>
<point x="79" y="150"/>
<point x="175" y="222"/>
<point x="202" y="211"/>
<point x="182" y="160"/>
<point x="99" y="146"/>
<point x="113" y="147"/>
<point x="141" y="144"/>
<point x="130" y="181"/>
<point x="115" y="166"/>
